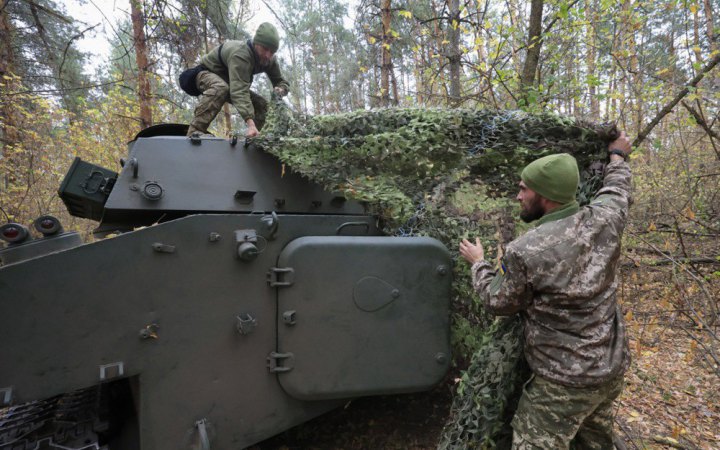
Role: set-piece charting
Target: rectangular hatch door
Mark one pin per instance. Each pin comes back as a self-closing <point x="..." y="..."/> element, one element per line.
<point x="362" y="316"/>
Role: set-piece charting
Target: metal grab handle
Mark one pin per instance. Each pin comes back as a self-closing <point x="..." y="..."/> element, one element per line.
<point x="135" y="165"/>
<point x="87" y="186"/>
<point x="353" y="224"/>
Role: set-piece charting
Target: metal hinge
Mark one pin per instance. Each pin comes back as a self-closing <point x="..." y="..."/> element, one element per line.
<point x="281" y="276"/>
<point x="274" y="360"/>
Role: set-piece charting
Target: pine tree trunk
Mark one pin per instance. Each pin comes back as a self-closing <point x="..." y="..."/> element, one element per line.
<point x="142" y="63"/>
<point x="514" y="22"/>
<point x="592" y="19"/>
<point x="709" y="27"/>
<point x="386" y="62"/>
<point x="454" y="56"/>
<point x="534" y="42"/>
<point x="9" y="119"/>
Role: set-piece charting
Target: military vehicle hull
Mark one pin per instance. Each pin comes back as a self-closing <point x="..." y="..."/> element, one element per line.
<point x="214" y="330"/>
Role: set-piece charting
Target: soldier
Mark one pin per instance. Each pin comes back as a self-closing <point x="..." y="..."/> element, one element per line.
<point x="560" y="277"/>
<point x="226" y="73"/>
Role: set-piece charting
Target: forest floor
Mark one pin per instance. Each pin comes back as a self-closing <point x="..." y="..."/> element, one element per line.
<point x="671" y="398"/>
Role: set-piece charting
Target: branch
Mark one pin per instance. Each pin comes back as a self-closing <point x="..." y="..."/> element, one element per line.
<point x="48" y="11"/>
<point x="52" y="91"/>
<point x="669" y="107"/>
<point x="681" y="260"/>
<point x="282" y="22"/>
<point x="69" y="43"/>
<point x="704" y="125"/>
<point x="700" y="121"/>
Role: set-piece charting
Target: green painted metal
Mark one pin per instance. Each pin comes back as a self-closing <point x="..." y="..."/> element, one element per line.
<point x="370" y="316"/>
<point x="205" y="312"/>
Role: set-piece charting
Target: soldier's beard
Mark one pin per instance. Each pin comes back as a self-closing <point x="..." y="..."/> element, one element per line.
<point x="532" y="211"/>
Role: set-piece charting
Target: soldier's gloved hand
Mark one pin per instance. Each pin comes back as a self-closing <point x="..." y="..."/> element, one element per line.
<point x="280" y="91"/>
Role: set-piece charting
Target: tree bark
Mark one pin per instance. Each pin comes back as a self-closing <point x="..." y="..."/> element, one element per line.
<point x="532" y="58"/>
<point x="591" y="15"/>
<point x="386" y="62"/>
<point x="9" y="130"/>
<point x="709" y="27"/>
<point x="454" y="55"/>
<point x="141" y="56"/>
<point x="633" y="82"/>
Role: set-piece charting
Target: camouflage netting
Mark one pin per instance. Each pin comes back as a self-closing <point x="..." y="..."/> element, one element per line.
<point x="447" y="174"/>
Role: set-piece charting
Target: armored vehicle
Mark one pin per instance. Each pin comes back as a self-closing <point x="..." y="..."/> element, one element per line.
<point x="230" y="299"/>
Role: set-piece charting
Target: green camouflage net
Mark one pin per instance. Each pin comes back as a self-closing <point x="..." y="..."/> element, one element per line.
<point x="448" y="174"/>
<point x="489" y="391"/>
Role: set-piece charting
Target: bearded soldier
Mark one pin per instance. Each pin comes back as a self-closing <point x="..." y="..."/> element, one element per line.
<point x="226" y="73"/>
<point x="560" y="278"/>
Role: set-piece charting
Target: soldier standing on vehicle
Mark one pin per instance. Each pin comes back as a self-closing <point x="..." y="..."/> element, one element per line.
<point x="560" y="277"/>
<point x="226" y="73"/>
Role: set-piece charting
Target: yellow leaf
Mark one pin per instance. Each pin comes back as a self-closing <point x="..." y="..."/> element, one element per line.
<point x="652" y="227"/>
<point x="693" y="8"/>
<point x="406" y="14"/>
<point x="372" y="40"/>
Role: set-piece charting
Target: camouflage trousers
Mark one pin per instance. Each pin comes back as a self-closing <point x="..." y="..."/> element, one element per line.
<point x="552" y="416"/>
<point x="215" y="93"/>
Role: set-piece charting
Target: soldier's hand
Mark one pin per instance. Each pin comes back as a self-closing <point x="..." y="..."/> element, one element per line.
<point x="252" y="131"/>
<point x="280" y="91"/>
<point x="622" y="144"/>
<point x="472" y="252"/>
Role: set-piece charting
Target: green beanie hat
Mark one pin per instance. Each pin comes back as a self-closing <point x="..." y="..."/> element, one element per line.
<point x="267" y="36"/>
<point x="555" y="177"/>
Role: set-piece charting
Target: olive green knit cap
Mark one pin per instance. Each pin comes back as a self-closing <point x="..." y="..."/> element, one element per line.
<point x="267" y="36"/>
<point x="555" y="177"/>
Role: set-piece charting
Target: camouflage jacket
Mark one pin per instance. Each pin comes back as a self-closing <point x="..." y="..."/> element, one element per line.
<point x="560" y="276"/>
<point x="237" y="63"/>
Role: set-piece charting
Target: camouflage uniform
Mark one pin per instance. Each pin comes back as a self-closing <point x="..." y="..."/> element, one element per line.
<point x="229" y="80"/>
<point x="560" y="276"/>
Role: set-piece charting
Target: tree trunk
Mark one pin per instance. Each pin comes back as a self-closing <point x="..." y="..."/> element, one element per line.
<point x="532" y="58"/>
<point x="709" y="27"/>
<point x="419" y="68"/>
<point x="8" y="83"/>
<point x="454" y="55"/>
<point x="515" y="20"/>
<point x="143" y="83"/>
<point x="591" y="15"/>
<point x="386" y="62"/>
<point x="632" y="66"/>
